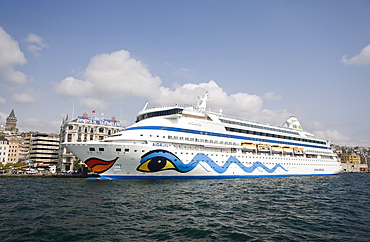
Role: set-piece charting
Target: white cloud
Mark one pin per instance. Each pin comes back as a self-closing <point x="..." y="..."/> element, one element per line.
<point x="2" y="100"/>
<point x="93" y="103"/>
<point x="333" y="135"/>
<point x="73" y="87"/>
<point x="110" y="76"/>
<point x="361" y="59"/>
<point x="36" y="44"/>
<point x="116" y="75"/>
<point x="23" y="98"/>
<point x="240" y="104"/>
<point x="184" y="72"/>
<point x="271" y="96"/>
<point x="41" y="125"/>
<point x="3" y="117"/>
<point x="273" y="117"/>
<point x="11" y="55"/>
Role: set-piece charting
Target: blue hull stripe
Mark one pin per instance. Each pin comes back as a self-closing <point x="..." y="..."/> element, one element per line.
<point x="112" y="177"/>
<point x="193" y="131"/>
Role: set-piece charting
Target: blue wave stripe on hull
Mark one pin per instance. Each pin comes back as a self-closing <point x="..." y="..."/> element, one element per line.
<point x="231" y="160"/>
<point x="219" y="169"/>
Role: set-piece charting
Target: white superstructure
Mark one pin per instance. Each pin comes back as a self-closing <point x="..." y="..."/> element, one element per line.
<point x="190" y="142"/>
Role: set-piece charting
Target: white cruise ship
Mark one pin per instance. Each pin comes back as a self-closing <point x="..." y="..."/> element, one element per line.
<point x="190" y="142"/>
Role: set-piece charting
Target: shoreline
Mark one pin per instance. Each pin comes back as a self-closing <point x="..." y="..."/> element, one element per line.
<point x="85" y="176"/>
<point x="50" y="175"/>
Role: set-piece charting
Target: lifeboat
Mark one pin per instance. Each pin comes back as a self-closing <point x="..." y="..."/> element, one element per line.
<point x="298" y="151"/>
<point x="263" y="148"/>
<point x="276" y="149"/>
<point x="288" y="149"/>
<point x="248" y="146"/>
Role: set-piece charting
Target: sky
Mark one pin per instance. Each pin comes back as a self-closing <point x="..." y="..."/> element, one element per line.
<point x="259" y="60"/>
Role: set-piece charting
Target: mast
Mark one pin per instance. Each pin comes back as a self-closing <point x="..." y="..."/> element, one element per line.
<point x="203" y="102"/>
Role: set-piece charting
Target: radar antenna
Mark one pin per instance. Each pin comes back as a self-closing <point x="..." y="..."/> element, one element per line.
<point x="145" y="106"/>
<point x="203" y="102"/>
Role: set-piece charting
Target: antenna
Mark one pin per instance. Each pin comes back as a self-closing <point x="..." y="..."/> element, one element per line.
<point x="145" y="106"/>
<point x="203" y="102"/>
<point x="73" y="110"/>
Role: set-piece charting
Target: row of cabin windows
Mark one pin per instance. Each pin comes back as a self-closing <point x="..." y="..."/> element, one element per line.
<point x="249" y="132"/>
<point x="244" y="131"/>
<point x="102" y="149"/>
<point x="258" y="127"/>
<point x="201" y="140"/>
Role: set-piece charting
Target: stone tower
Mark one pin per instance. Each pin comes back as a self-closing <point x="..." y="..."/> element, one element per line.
<point x="11" y="123"/>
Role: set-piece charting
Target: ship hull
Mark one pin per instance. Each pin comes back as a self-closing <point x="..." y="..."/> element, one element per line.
<point x="156" y="160"/>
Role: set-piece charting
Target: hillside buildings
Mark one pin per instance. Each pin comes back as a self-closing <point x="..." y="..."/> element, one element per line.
<point x="352" y="163"/>
<point x="4" y="150"/>
<point x="16" y="153"/>
<point x="9" y="144"/>
<point x="42" y="149"/>
<point x="11" y="123"/>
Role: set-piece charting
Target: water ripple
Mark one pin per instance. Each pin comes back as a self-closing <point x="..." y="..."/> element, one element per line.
<point x="328" y="208"/>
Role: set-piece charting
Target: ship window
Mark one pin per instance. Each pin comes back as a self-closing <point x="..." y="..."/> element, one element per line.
<point x="159" y="113"/>
<point x="127" y="150"/>
<point x="118" y="149"/>
<point x="101" y="149"/>
<point x="91" y="149"/>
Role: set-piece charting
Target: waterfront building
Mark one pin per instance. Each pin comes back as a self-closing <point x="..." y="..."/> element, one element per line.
<point x="352" y="163"/>
<point x="11" y="123"/>
<point x="42" y="149"/>
<point x="83" y="129"/>
<point x="4" y="150"/>
<point x="350" y="158"/>
<point x="15" y="151"/>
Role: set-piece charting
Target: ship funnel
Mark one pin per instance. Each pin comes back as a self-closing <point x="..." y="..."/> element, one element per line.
<point x="293" y="123"/>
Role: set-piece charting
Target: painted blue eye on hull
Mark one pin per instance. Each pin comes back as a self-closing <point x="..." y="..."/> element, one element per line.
<point x="181" y="167"/>
<point x="176" y="162"/>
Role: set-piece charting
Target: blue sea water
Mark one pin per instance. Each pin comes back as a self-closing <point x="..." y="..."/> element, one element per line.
<point x="325" y="208"/>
